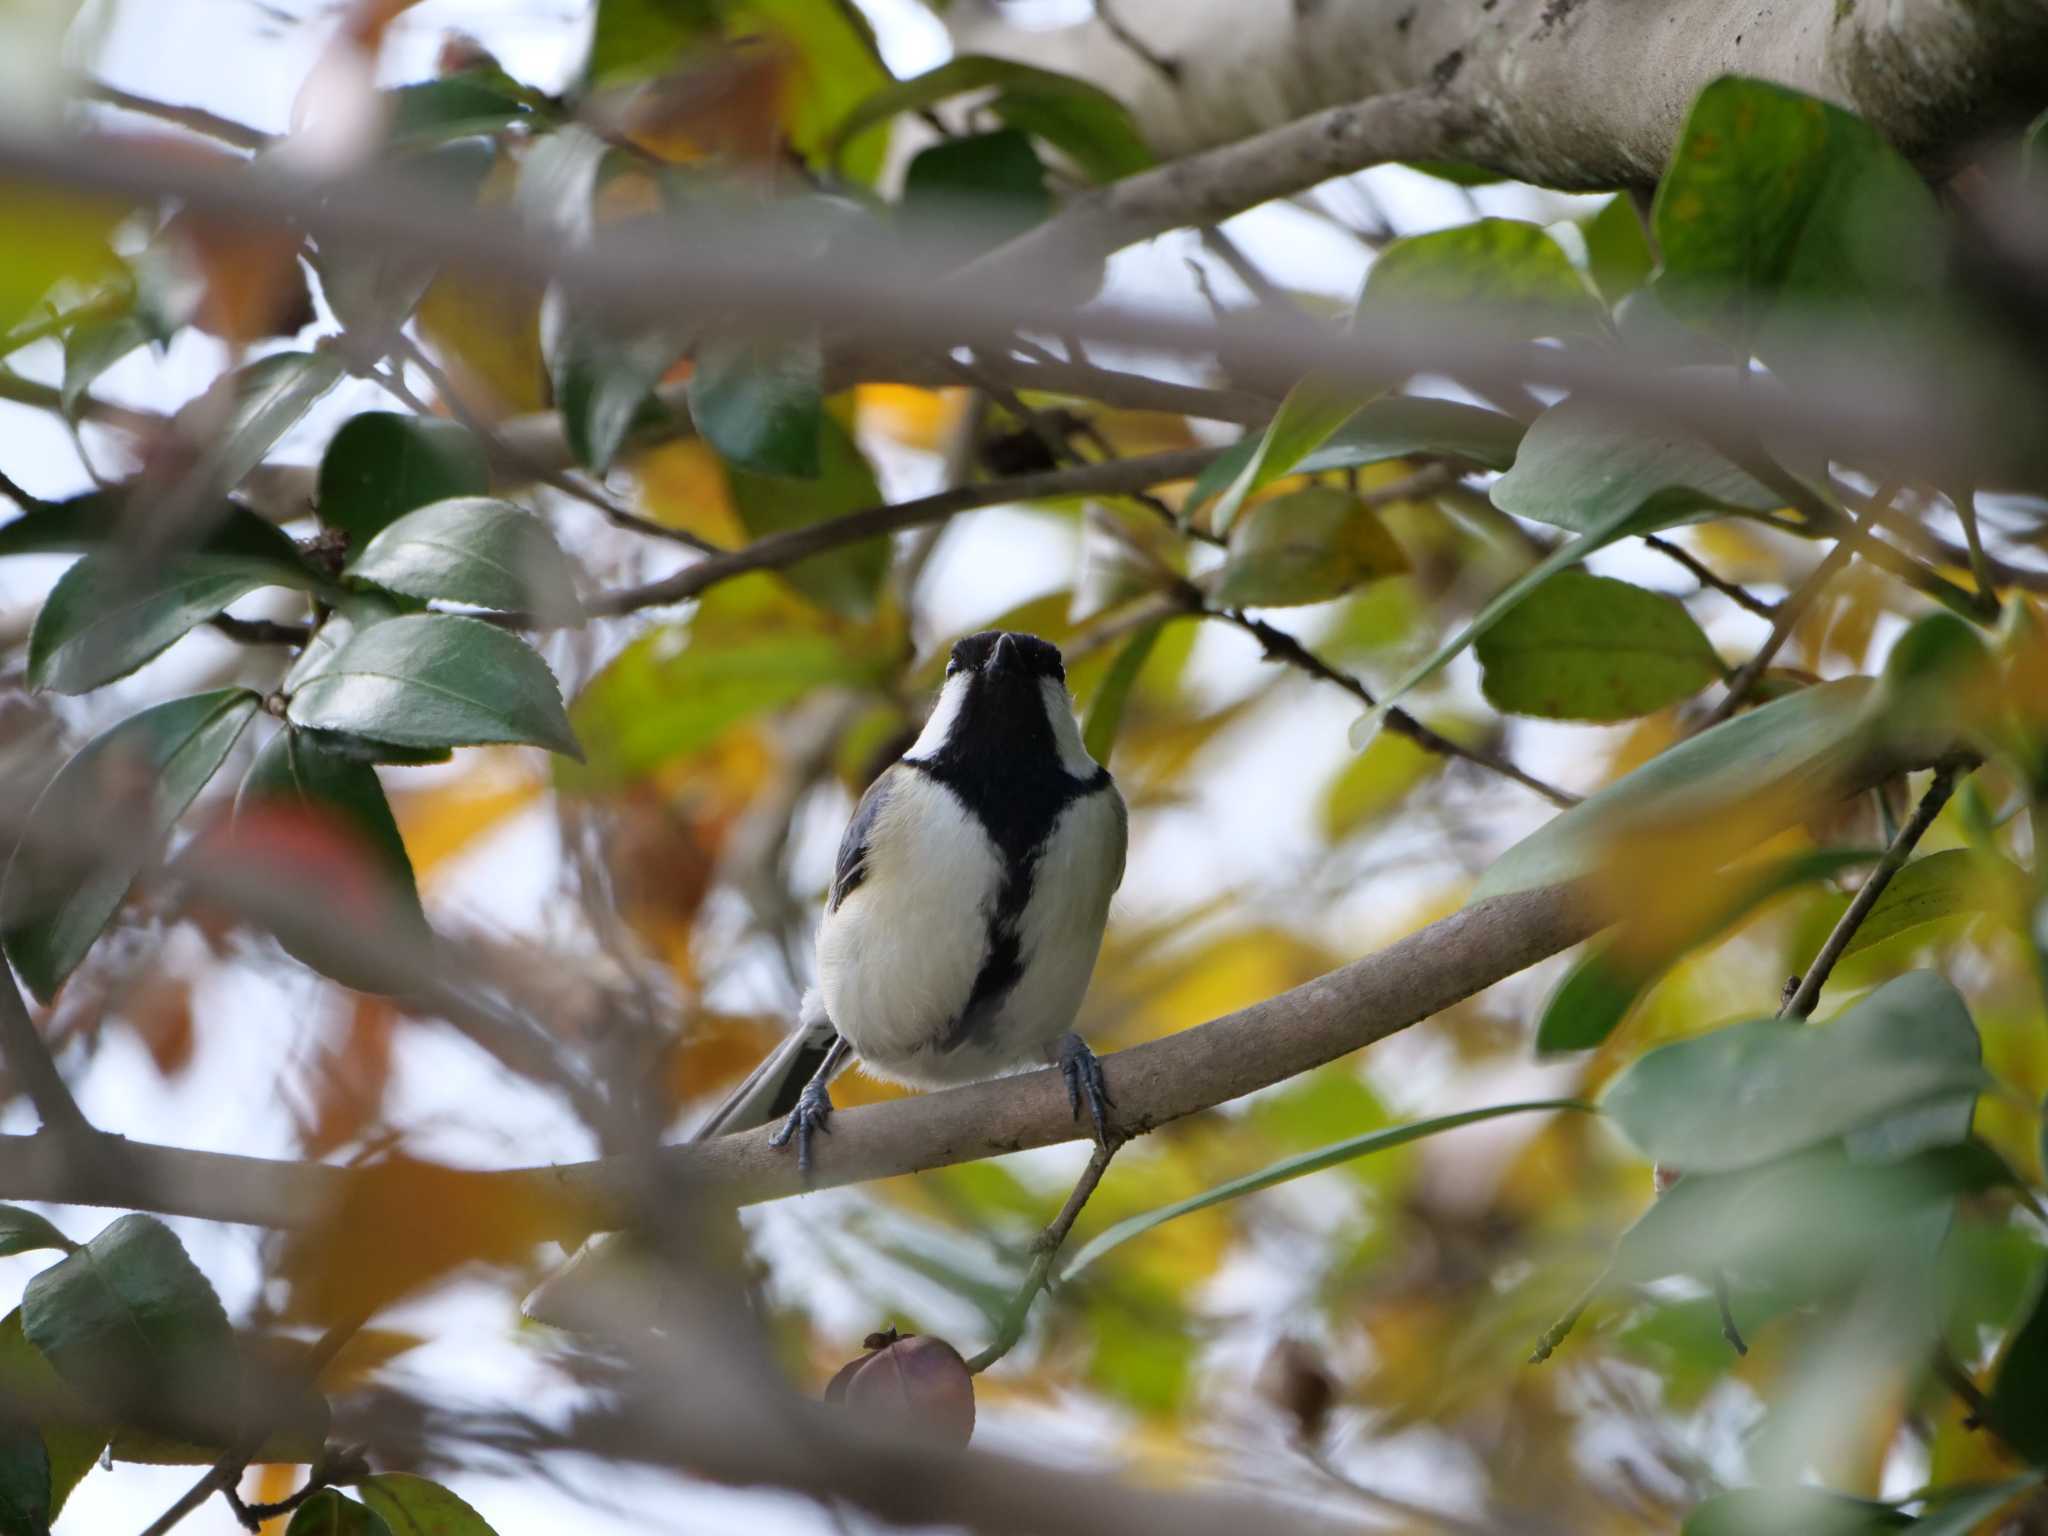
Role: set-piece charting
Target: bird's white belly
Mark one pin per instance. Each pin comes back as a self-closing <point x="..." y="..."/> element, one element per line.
<point x="898" y="959"/>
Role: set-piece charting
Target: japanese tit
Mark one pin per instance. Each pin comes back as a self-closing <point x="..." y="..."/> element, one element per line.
<point x="961" y="928"/>
<point x="967" y="908"/>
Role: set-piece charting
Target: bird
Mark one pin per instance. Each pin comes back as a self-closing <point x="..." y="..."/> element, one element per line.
<point x="962" y="925"/>
<point x="967" y="906"/>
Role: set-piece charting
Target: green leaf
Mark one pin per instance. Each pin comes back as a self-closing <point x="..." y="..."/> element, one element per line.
<point x="453" y="107"/>
<point x="24" y="1482"/>
<point x="1514" y="270"/>
<point x="104" y="618"/>
<point x="1376" y="781"/>
<point x="1584" y="463"/>
<point x="89" y="522"/>
<point x="1106" y="709"/>
<point x="472" y="549"/>
<point x="1790" y="1511"/>
<point x="761" y="403"/>
<point x="1925" y="891"/>
<point x="355" y="611"/>
<point x="328" y="1513"/>
<point x="604" y="385"/>
<point x="92" y="347"/>
<point x="634" y="39"/>
<point x="1618" y="256"/>
<point x="413" y="1506"/>
<point x="1799" y="742"/>
<point x="134" y="1327"/>
<point x="2018" y="1407"/>
<point x="1777" y="199"/>
<point x="846" y="580"/>
<point x="1296" y="1167"/>
<point x="1590" y="1002"/>
<point x="1311" y="413"/>
<point x="383" y="464"/>
<point x="243" y="415"/>
<point x="1085" y="121"/>
<point x="24" y="1232"/>
<point x="325" y="781"/>
<point x="751" y="647"/>
<point x="1959" y="1511"/>
<point x="1390" y="427"/>
<point x="979" y="189"/>
<point x="1305" y="547"/>
<point x="437" y="680"/>
<point x="131" y="784"/>
<point x="1583" y="647"/>
<point x="1752" y="1092"/>
<point x="35" y="1392"/>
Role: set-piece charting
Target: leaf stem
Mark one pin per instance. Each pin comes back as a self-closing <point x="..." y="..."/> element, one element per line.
<point x="1043" y="1251"/>
<point x="1801" y="1003"/>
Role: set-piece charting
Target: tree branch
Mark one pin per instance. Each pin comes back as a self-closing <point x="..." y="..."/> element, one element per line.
<point x="1801" y="1002"/>
<point x="28" y="1058"/>
<point x="197" y="120"/>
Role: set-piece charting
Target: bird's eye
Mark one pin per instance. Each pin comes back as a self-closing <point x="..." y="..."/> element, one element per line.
<point x="953" y="666"/>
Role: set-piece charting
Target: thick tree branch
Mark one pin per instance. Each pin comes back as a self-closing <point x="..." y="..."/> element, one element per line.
<point x="1570" y="93"/>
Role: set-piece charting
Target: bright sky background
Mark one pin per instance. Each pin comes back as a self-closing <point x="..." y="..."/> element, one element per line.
<point x="1252" y="825"/>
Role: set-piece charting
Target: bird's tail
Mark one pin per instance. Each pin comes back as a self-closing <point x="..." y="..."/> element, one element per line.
<point x="588" y="1285"/>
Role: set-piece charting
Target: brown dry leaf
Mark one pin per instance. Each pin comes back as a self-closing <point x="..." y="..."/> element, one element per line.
<point x="727" y="107"/>
<point x="442" y="820"/>
<point x="254" y="285"/>
<point x="716" y="1051"/>
<point x="349" y="1078"/>
<point x="683" y="485"/>
<point x="367" y="1352"/>
<point x="160" y="1013"/>
<point x="404" y="1224"/>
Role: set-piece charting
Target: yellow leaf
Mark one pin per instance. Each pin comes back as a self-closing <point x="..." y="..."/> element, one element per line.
<point x="488" y="335"/>
<point x="441" y="821"/>
<point x="683" y="485"/>
<point x="924" y="419"/>
<point x="52" y="237"/>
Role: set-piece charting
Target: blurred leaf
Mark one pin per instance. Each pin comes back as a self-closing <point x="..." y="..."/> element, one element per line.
<point x="1958" y="1512"/>
<point x="1296" y="1167"/>
<point x="1584" y="647"/>
<point x="1618" y="253"/>
<point x="92" y="347"/>
<point x="329" y="805"/>
<point x="1373" y="782"/>
<point x="1311" y="413"/>
<point x="978" y="189"/>
<point x="57" y="235"/>
<point x="488" y="333"/>
<point x="1775" y="198"/>
<point x="2018" y="1405"/>
<point x="1106" y="709"/>
<point x="760" y="404"/>
<point x="1390" y="427"/>
<point x="437" y="680"/>
<point x="1751" y="1092"/>
<point x="241" y="417"/>
<point x="1305" y="547"/>
<point x="24" y="1482"/>
<point x="836" y="66"/>
<point x="37" y="1394"/>
<point x="131" y="784"/>
<point x="327" y="1513"/>
<point x="91" y="521"/>
<point x="847" y="580"/>
<point x="1087" y="123"/>
<point x="603" y="385"/>
<point x="105" y="617"/>
<point x="1792" y="747"/>
<point x="751" y="647"/>
<point x="475" y="550"/>
<point x="1791" y="1511"/>
<point x="132" y="1324"/>
<point x="452" y="107"/>
<point x="383" y="464"/>
<point x="24" y="1232"/>
<point x="1590" y="1002"/>
<point x="632" y="39"/>
<point x="1582" y="464"/>
<point x="1504" y="266"/>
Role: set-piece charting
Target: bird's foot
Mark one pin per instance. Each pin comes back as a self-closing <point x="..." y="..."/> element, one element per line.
<point x="1083" y="1074"/>
<point x="813" y="1113"/>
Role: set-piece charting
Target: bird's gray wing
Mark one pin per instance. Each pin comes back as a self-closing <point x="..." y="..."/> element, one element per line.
<point x="852" y="866"/>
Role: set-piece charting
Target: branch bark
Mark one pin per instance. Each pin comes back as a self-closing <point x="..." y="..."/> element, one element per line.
<point x="1569" y="93"/>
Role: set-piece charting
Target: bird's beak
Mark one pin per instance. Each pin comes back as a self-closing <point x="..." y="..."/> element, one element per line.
<point x="1004" y="657"/>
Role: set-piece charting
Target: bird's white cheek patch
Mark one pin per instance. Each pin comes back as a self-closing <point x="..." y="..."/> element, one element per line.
<point x="938" y="724"/>
<point x="1066" y="735"/>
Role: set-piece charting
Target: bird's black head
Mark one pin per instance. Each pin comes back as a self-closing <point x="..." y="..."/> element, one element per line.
<point x="1007" y="651"/>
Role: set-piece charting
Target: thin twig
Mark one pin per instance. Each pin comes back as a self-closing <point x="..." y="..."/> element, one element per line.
<point x="1043" y="1251"/>
<point x="1801" y="1002"/>
<point x="197" y="120"/>
<point x="18" y="496"/>
<point x="59" y="320"/>
<point x="1725" y="1305"/>
<point x="1557" y="1332"/>
<point x="518" y="463"/>
<point x="1390" y="1504"/>
<point x="1980" y="564"/>
<point x="1789" y="613"/>
<point x="1105" y="12"/>
<point x="1283" y="647"/>
<point x="1735" y="592"/>
<point x="28" y="1058"/>
<point x="1246" y="271"/>
<point x="260" y="631"/>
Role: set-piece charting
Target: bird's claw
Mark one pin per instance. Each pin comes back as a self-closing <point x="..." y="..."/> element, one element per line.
<point x="813" y="1114"/>
<point x="1083" y="1074"/>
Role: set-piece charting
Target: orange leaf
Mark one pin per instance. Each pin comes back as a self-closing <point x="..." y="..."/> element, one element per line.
<point x="439" y="822"/>
<point x="349" y="1079"/>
